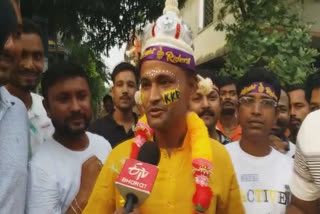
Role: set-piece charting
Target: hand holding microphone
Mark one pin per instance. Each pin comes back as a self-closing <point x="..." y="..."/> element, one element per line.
<point x="137" y="177"/>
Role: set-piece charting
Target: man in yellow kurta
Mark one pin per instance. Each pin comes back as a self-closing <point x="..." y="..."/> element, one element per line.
<point x="192" y="166"/>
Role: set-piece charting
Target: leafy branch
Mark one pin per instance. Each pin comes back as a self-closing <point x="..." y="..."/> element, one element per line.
<point x="269" y="33"/>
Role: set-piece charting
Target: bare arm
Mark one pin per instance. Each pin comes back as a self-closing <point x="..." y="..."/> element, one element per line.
<point x="299" y="206"/>
<point x="90" y="171"/>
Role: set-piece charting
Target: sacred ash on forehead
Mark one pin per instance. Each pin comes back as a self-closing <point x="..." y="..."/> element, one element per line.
<point x="169" y="39"/>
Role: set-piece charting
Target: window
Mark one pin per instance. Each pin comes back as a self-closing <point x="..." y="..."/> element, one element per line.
<point x="205" y="13"/>
<point x="208" y="12"/>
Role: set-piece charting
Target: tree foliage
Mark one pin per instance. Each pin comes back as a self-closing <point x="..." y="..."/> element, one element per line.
<point x="101" y="23"/>
<point x="269" y="33"/>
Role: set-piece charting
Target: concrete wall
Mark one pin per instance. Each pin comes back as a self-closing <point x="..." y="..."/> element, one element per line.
<point x="208" y="43"/>
<point x="311" y="13"/>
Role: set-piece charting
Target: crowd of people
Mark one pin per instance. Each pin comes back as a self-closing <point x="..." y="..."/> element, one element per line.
<point x="226" y="146"/>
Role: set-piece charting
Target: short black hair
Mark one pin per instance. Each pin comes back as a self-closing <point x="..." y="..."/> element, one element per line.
<point x="59" y="71"/>
<point x="30" y="27"/>
<point x="208" y="73"/>
<point x="225" y="80"/>
<point x="298" y="86"/>
<point x="8" y="21"/>
<point x="259" y="74"/>
<point x="124" y="66"/>
<point x="106" y="98"/>
<point x="313" y="82"/>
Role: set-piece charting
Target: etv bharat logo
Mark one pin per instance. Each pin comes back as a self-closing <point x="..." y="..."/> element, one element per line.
<point x="139" y="171"/>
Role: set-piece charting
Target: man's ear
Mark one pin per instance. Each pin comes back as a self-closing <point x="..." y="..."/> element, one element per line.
<point x="46" y="107"/>
<point x="112" y="92"/>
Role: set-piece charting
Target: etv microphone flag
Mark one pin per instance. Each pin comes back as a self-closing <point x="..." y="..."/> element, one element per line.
<point x="138" y="178"/>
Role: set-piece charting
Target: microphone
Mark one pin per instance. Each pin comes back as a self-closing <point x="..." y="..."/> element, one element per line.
<point x="136" y="179"/>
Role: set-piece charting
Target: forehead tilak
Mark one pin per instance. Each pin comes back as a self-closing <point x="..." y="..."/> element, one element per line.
<point x="154" y="72"/>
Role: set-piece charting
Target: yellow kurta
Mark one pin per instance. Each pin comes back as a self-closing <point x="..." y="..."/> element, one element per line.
<point x="174" y="187"/>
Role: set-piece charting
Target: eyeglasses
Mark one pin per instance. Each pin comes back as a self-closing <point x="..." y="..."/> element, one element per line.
<point x="264" y="103"/>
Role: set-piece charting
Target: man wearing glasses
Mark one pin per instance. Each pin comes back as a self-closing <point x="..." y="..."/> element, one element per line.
<point x="262" y="172"/>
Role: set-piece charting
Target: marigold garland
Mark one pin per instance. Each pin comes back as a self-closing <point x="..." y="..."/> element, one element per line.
<point x="201" y="156"/>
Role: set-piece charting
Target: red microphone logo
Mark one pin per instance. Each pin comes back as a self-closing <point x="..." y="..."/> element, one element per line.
<point x="138" y="178"/>
<point x="138" y="170"/>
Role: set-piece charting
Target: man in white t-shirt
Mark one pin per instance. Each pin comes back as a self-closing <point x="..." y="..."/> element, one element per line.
<point x="305" y="184"/>
<point x="263" y="173"/>
<point x="63" y="171"/>
<point x="25" y="78"/>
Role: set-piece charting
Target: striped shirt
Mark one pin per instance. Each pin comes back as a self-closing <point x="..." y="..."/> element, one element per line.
<point x="306" y="177"/>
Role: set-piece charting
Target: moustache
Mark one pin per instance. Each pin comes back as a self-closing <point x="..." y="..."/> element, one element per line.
<point x="256" y="120"/>
<point x="227" y="102"/>
<point x="125" y="97"/>
<point x="26" y="71"/>
<point x="294" y="119"/>
<point x="207" y="112"/>
<point x="76" y="115"/>
<point x="281" y="123"/>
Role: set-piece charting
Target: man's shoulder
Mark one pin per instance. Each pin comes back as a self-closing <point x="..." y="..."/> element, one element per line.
<point x="219" y="151"/>
<point x="36" y="97"/>
<point x="37" y="106"/>
<point x="122" y="150"/>
<point x="45" y="153"/>
<point x="232" y="146"/>
<point x="97" y="139"/>
<point x="312" y="119"/>
<point x="11" y="100"/>
<point x="281" y="158"/>
<point x="309" y="135"/>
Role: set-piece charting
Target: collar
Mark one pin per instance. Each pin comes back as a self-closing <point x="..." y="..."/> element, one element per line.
<point x="6" y="98"/>
<point x="36" y="106"/>
<point x="222" y="138"/>
<point x="6" y="101"/>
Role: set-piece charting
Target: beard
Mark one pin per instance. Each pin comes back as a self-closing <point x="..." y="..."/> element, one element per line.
<point x="23" y="84"/>
<point x="282" y="124"/>
<point x="228" y="111"/>
<point x="66" y="127"/>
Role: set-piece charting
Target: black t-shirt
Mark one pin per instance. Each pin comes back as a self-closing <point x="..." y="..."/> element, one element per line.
<point x="108" y="128"/>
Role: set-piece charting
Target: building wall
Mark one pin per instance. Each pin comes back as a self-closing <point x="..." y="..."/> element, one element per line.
<point x="208" y="43"/>
<point x="311" y="13"/>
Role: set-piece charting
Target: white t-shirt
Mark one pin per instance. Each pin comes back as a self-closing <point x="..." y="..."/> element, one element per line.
<point x="305" y="182"/>
<point x="40" y="125"/>
<point x="55" y="174"/>
<point x="263" y="181"/>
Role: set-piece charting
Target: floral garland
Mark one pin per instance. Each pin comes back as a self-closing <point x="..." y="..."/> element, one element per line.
<point x="201" y="156"/>
<point x="206" y="85"/>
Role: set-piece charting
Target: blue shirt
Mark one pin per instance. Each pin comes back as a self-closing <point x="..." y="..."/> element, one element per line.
<point x="13" y="153"/>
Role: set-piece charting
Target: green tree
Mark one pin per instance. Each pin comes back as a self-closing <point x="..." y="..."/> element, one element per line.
<point x="269" y="33"/>
<point x="99" y="23"/>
